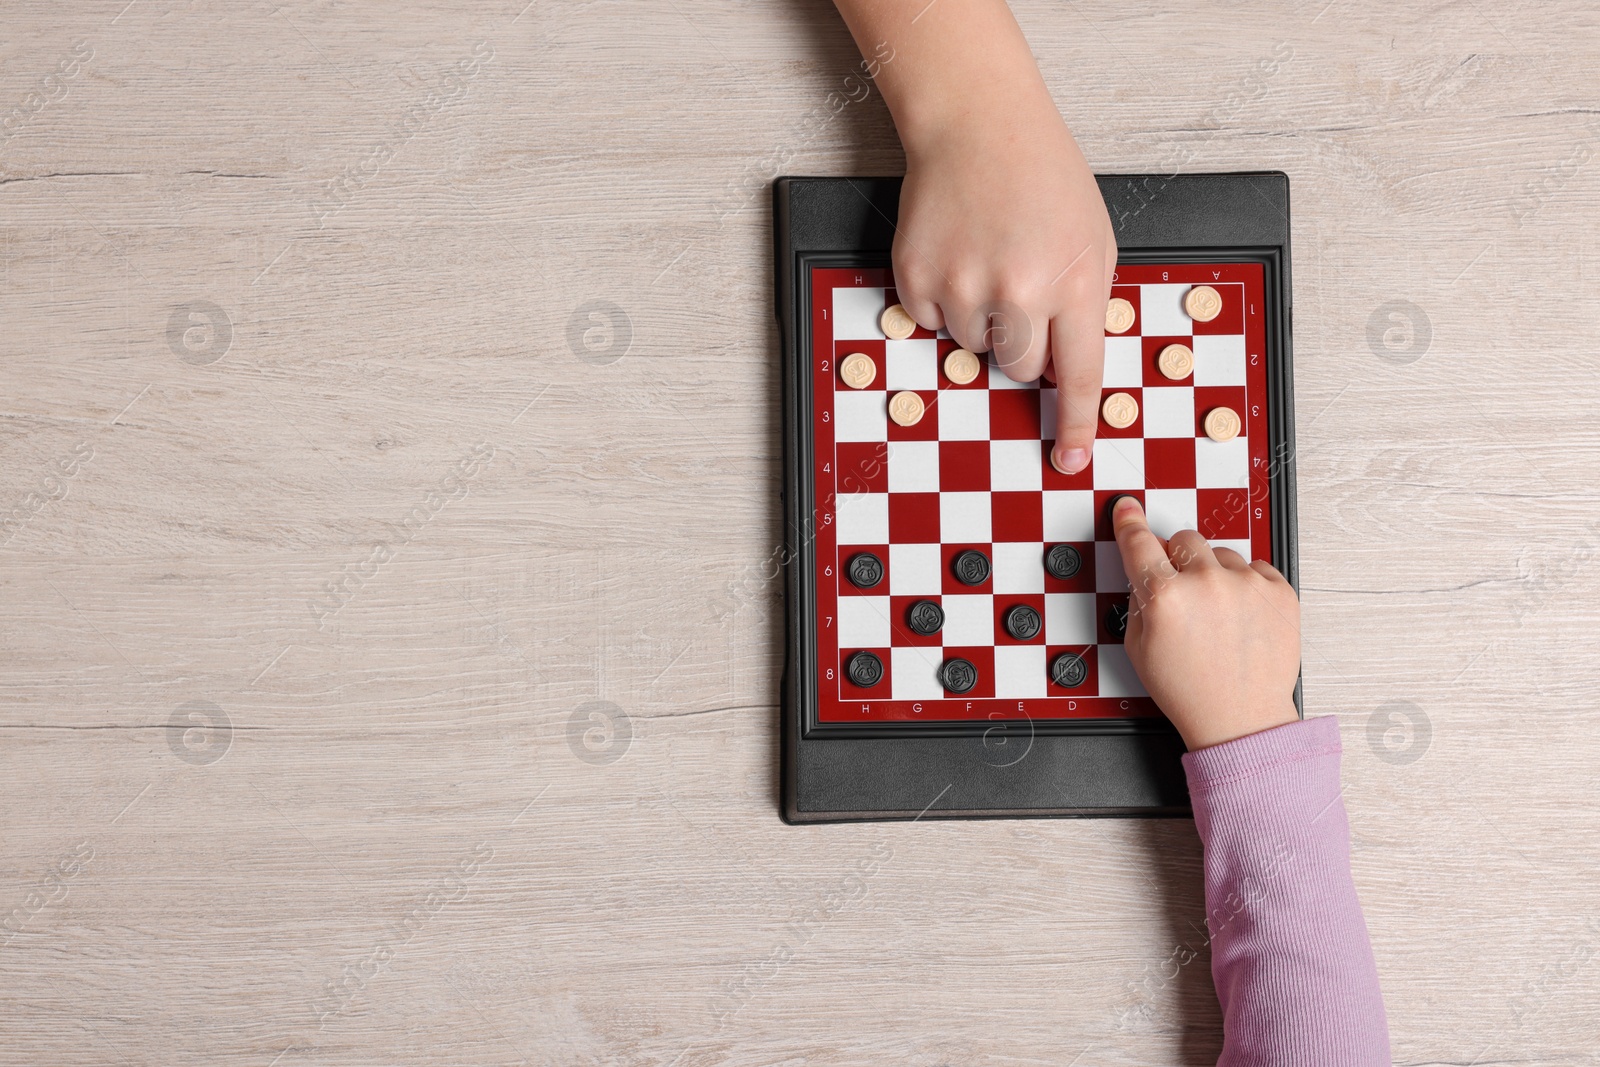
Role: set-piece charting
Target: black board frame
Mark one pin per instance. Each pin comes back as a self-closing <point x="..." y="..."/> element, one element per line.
<point x="1115" y="767"/>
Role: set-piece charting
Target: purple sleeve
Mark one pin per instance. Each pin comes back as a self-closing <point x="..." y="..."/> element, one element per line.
<point x="1289" y="948"/>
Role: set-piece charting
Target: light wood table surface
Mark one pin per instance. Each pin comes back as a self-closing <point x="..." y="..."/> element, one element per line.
<point x="389" y="428"/>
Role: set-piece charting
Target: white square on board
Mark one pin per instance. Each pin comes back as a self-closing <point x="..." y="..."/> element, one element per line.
<point x="860" y="416"/>
<point x="911" y="364"/>
<point x="863" y="622"/>
<point x="963" y="517"/>
<point x="1047" y="413"/>
<point x="1119" y="463"/>
<point x="1221" y="464"/>
<point x="1019" y="671"/>
<point x="863" y="518"/>
<point x="1169" y="411"/>
<point x="1068" y="515"/>
<point x="1117" y="676"/>
<point x="1015" y="466"/>
<point x="1219" y="360"/>
<point x="856" y="313"/>
<point x="1161" y="311"/>
<point x="1124" y="362"/>
<point x="915" y="570"/>
<point x="1171" y="510"/>
<point x="1018" y="567"/>
<point x="914" y="467"/>
<point x="1069" y="618"/>
<point x="968" y="619"/>
<point x="1110" y="576"/>
<point x="914" y="673"/>
<point x="963" y="414"/>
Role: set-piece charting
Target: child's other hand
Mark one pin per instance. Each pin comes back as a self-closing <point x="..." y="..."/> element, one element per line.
<point x="1215" y="639"/>
<point x="1004" y="239"/>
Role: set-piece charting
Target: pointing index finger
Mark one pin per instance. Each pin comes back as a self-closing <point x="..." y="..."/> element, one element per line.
<point x="1078" y="352"/>
<point x="1143" y="557"/>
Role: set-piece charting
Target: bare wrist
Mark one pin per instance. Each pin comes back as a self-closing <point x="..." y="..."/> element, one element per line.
<point x="940" y="122"/>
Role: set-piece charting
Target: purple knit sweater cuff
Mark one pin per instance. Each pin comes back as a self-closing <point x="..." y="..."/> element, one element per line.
<point x="1261" y="753"/>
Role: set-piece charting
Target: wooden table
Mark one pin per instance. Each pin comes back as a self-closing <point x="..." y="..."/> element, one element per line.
<point x="390" y="433"/>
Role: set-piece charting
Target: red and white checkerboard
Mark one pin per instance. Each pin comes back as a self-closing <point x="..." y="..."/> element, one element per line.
<point x="974" y="473"/>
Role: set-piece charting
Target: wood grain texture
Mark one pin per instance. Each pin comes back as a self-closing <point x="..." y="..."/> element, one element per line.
<point x="404" y="539"/>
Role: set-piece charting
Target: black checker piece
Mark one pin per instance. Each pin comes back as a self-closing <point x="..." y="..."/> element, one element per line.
<point x="1068" y="670"/>
<point x="1063" y="561"/>
<point x="865" y="670"/>
<point x="1117" y="619"/>
<point x="925" y="618"/>
<point x="972" y="567"/>
<point x="866" y="570"/>
<point x="1111" y="505"/>
<point x="958" y="675"/>
<point x="1022" y="623"/>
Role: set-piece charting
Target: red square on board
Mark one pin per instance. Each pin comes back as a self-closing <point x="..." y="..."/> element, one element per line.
<point x="1016" y="516"/>
<point x="1223" y="513"/>
<point x="861" y="467"/>
<point x="1014" y="414"/>
<point x="1169" y="462"/>
<point x="963" y="466"/>
<point x="913" y="518"/>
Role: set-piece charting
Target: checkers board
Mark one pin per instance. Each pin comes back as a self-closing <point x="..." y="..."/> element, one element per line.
<point x="955" y="603"/>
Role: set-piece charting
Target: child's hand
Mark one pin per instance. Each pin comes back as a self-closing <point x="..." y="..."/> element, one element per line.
<point x="1215" y="639"/>
<point x="999" y="213"/>
<point x="1004" y="239"/>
